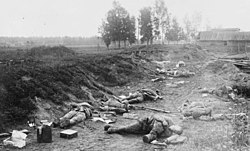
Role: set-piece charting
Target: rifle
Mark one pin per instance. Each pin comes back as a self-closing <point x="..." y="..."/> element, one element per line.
<point x="152" y="109"/>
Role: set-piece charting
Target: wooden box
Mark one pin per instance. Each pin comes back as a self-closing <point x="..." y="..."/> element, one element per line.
<point x="68" y="134"/>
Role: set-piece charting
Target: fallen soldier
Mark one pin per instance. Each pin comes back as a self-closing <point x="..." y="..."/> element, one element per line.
<point x="79" y="113"/>
<point x="226" y="92"/>
<point x="115" y="106"/>
<point x="141" y="95"/>
<point x="154" y="127"/>
<point x="178" y="73"/>
<point x="195" y="110"/>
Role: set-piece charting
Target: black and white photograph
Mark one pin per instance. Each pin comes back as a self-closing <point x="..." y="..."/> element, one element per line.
<point x="124" y="75"/>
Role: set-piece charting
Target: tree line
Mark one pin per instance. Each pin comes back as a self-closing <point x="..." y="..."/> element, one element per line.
<point x="153" y="23"/>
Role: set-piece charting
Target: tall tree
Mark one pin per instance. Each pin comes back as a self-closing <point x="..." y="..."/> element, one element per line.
<point x="161" y="19"/>
<point x="105" y="33"/>
<point x="119" y="26"/>
<point x="128" y="30"/>
<point x="116" y="18"/>
<point x="176" y="32"/>
<point x="131" y="31"/>
<point x="146" y="24"/>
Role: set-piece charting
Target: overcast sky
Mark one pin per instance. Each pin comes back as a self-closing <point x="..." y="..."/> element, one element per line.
<point x="83" y="17"/>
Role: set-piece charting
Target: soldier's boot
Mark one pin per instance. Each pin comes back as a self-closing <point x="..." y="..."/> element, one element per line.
<point x="113" y="130"/>
<point x="148" y="138"/>
<point x="106" y="127"/>
<point x="65" y="123"/>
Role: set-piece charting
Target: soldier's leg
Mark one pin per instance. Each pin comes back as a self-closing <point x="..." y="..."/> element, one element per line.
<point x="79" y="117"/>
<point x="116" y="110"/>
<point x="65" y="120"/>
<point x="69" y="115"/>
<point x="134" y="128"/>
<point x="131" y="96"/>
<point x="175" y="139"/>
<point x="138" y="99"/>
<point x="156" y="131"/>
<point x="114" y="103"/>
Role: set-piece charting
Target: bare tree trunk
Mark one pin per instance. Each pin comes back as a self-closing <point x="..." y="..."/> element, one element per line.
<point x="119" y="43"/>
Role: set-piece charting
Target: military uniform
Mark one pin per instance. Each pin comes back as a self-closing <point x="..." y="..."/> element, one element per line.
<point x="140" y="96"/>
<point x="77" y="115"/>
<point x="195" y="110"/>
<point x="115" y="106"/>
<point x="154" y="126"/>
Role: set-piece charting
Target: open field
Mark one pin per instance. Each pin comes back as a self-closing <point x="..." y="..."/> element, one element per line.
<point x="53" y="76"/>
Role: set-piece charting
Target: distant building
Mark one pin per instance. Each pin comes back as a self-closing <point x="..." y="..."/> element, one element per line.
<point x="225" y="30"/>
<point x="231" y="37"/>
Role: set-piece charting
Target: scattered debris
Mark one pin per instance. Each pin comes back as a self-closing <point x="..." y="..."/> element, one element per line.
<point x="204" y="95"/>
<point x="109" y="113"/>
<point x="5" y="135"/>
<point x="130" y="116"/>
<point x="176" y="84"/>
<point x="107" y="121"/>
<point x="149" y="108"/>
<point x="68" y="134"/>
<point x="44" y="133"/>
<point x="158" y="79"/>
<point x="180" y="64"/>
<point x="161" y="64"/>
<point x="17" y="139"/>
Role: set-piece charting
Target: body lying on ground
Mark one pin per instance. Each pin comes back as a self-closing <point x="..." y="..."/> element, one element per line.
<point x="176" y="73"/>
<point x="79" y="113"/>
<point x="83" y="111"/>
<point x="195" y="110"/>
<point x="141" y="95"/>
<point x="115" y="106"/>
<point x="153" y="127"/>
<point x="223" y="91"/>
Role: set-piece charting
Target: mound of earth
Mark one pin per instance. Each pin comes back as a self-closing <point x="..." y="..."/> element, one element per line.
<point x="56" y="51"/>
<point x="38" y="87"/>
<point x="221" y="67"/>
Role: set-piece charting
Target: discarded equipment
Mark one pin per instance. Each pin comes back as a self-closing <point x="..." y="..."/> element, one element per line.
<point x="44" y="133"/>
<point x="180" y="64"/>
<point x="152" y="109"/>
<point x="68" y="134"/>
<point x="17" y="139"/>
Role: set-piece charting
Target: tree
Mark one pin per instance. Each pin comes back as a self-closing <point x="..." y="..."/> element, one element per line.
<point x="161" y="19"/>
<point x="119" y="26"/>
<point x="176" y="32"/>
<point x="128" y="30"/>
<point x="131" y="31"/>
<point x="116" y="19"/>
<point x="105" y="33"/>
<point x="182" y="35"/>
<point x="146" y="25"/>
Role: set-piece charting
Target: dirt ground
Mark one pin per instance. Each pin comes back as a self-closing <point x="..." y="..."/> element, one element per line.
<point x="202" y="135"/>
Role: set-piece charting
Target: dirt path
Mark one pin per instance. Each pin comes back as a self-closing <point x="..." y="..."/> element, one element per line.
<point x="202" y="135"/>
